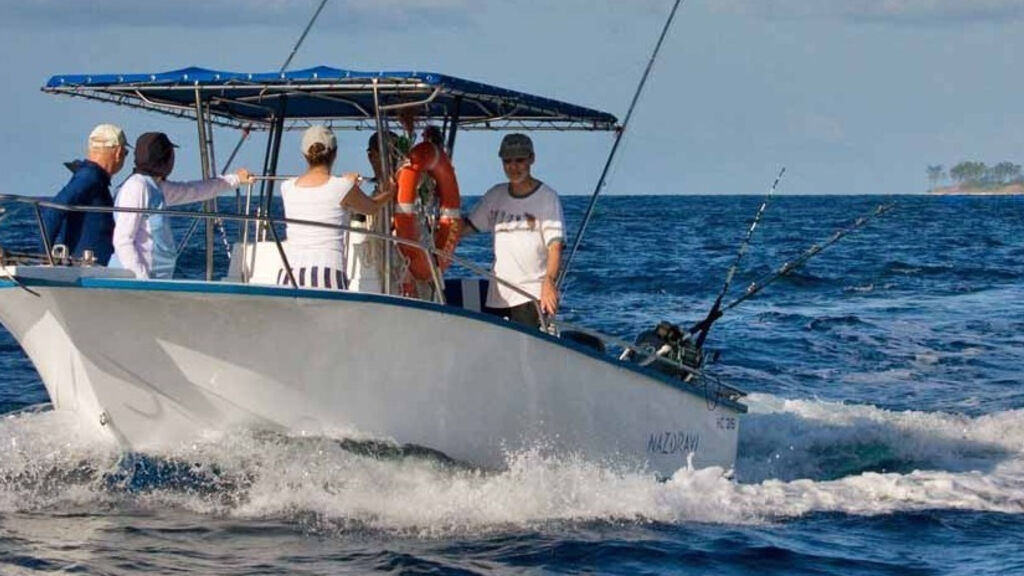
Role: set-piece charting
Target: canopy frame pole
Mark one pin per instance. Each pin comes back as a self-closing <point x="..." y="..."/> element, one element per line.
<point x="269" y="200"/>
<point x="615" y="147"/>
<point x="196" y="221"/>
<point x="260" y="231"/>
<point x="385" y="164"/>
<point x="435" y="272"/>
<point x="227" y="165"/>
<point x="275" y="152"/>
<point x="388" y="107"/>
<point x="217" y="223"/>
<point x="205" y="156"/>
<point x="245" y="266"/>
<point x="454" y="126"/>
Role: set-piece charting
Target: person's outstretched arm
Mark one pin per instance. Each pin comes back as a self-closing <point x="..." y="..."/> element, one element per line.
<point x="198" y="190"/>
<point x="357" y="200"/>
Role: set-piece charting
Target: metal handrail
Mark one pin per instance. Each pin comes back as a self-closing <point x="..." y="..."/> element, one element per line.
<point x="42" y="203"/>
<point x="647" y="355"/>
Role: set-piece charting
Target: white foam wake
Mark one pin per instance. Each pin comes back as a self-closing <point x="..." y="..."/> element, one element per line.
<point x="793" y="465"/>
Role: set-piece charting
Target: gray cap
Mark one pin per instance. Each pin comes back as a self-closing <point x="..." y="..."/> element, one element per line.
<point x="515" y="146"/>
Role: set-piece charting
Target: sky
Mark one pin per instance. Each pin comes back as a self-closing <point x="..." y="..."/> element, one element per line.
<point x="851" y="96"/>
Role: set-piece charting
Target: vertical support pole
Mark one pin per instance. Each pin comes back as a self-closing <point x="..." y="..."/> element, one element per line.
<point x="238" y="193"/>
<point x="211" y="149"/>
<point x="386" y="168"/>
<point x="275" y="152"/>
<point x="245" y="267"/>
<point x="260" y="232"/>
<point x="213" y="225"/>
<point x="204" y="164"/>
<point x="454" y="127"/>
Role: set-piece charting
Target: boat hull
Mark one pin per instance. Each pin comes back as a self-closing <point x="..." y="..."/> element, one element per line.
<point x="157" y="364"/>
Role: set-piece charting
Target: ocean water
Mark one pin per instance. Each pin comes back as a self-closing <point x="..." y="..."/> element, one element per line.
<point x="885" y="433"/>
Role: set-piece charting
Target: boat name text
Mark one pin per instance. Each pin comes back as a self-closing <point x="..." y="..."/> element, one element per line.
<point x="679" y="442"/>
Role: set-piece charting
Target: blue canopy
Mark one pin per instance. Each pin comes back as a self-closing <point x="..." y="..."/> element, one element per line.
<point x="343" y="98"/>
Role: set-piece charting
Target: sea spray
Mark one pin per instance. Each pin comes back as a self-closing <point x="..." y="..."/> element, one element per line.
<point x="319" y="483"/>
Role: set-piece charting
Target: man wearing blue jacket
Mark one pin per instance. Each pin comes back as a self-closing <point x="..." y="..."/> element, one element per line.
<point x="89" y="186"/>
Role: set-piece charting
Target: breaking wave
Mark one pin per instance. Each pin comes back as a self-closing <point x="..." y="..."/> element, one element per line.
<point x="798" y="457"/>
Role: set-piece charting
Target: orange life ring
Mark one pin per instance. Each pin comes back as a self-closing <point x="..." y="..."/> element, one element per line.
<point x="428" y="158"/>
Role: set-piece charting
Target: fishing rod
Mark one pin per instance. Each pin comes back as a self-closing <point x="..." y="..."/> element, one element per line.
<point x="302" y="38"/>
<point x="284" y="67"/>
<point x="705" y="325"/>
<point x="615" y="147"/>
<point x="802" y="259"/>
<point x="669" y="341"/>
<point x="245" y="134"/>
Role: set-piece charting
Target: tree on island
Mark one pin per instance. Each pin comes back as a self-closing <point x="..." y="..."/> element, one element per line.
<point x="1006" y="172"/>
<point x="973" y="174"/>
<point x="969" y="172"/>
<point x="935" y="173"/>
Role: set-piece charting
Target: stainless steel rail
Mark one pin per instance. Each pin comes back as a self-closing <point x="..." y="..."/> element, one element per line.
<point x="647" y="356"/>
<point x="38" y="203"/>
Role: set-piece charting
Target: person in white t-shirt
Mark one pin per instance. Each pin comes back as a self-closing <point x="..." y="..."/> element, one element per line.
<point x="525" y="216"/>
<point x="316" y="254"/>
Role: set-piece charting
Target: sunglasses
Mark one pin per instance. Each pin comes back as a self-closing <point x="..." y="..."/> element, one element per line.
<point x="515" y="160"/>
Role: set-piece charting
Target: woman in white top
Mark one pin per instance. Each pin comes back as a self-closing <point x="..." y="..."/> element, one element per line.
<point x="317" y="254"/>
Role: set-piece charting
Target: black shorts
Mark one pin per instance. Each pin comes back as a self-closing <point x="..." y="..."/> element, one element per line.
<point x="526" y="314"/>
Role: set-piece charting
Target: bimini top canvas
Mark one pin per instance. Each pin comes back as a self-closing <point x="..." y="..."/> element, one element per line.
<point x="342" y="98"/>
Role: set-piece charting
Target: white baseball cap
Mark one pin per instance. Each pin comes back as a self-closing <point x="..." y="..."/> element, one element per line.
<point x="318" y="135"/>
<point x="107" y="136"/>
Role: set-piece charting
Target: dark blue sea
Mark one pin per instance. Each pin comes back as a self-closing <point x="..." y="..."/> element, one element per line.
<point x="885" y="433"/>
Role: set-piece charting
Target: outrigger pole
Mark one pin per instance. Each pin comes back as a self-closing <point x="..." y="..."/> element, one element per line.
<point x="802" y="259"/>
<point x="615" y="147"/>
<point x="303" y="36"/>
<point x="718" y="310"/>
<point x="715" y="311"/>
<point x="208" y="164"/>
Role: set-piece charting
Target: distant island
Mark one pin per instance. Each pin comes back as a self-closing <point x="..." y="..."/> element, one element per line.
<point x="1005" y="190"/>
<point x="977" y="178"/>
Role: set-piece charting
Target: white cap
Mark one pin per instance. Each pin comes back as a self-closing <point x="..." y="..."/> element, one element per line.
<point x="107" y="136"/>
<point x="318" y="135"/>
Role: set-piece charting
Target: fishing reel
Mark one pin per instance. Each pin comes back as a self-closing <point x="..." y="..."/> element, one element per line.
<point x="669" y="341"/>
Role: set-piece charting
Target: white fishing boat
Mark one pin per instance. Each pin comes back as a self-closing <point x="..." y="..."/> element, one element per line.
<point x="153" y="364"/>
